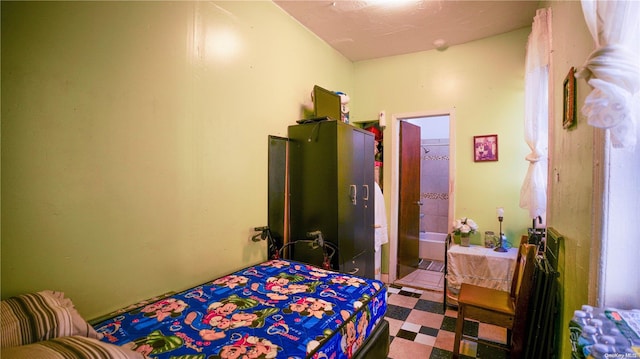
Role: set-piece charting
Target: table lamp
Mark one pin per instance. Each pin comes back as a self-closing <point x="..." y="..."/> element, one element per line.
<point x="500" y="246"/>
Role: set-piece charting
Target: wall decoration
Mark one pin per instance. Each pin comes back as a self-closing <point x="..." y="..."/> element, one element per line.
<point x="569" y="103"/>
<point x="485" y="148"/>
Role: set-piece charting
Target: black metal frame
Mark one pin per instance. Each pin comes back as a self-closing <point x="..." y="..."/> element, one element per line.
<point x="447" y="244"/>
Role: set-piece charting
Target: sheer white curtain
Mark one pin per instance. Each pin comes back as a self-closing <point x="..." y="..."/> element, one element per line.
<point x="533" y="194"/>
<point x="613" y="69"/>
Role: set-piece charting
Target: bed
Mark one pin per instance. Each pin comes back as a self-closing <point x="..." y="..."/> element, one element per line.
<point x="276" y="309"/>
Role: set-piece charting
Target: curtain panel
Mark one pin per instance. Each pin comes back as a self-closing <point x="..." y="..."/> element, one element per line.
<point x="533" y="194"/>
<point x="613" y="69"/>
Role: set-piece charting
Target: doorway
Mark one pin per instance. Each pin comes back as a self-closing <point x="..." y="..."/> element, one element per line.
<point x="435" y="198"/>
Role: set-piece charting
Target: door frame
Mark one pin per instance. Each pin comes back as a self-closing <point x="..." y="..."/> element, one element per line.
<point x="395" y="170"/>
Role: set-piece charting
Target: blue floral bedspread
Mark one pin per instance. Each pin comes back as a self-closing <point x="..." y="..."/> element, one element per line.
<point x="277" y="309"/>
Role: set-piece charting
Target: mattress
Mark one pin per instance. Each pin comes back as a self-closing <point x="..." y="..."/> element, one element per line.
<point x="276" y="309"/>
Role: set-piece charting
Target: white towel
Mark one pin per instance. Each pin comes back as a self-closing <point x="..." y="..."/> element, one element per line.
<point x="381" y="230"/>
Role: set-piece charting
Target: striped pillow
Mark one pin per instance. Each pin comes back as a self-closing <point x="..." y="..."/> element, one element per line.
<point x="73" y="347"/>
<point x="34" y="317"/>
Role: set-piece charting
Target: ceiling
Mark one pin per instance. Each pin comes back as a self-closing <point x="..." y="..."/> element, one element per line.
<point x="364" y="30"/>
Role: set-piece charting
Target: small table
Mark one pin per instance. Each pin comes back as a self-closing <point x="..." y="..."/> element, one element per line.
<point x="479" y="266"/>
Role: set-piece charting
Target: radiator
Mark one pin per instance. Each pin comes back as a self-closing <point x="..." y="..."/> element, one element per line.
<point x="544" y="312"/>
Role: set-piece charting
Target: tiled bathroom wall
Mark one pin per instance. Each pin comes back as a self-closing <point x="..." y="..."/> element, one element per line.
<point x="434" y="186"/>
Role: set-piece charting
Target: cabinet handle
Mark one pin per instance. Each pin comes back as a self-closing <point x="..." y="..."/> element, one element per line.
<point x="353" y="192"/>
<point x="365" y="197"/>
<point x="354" y="270"/>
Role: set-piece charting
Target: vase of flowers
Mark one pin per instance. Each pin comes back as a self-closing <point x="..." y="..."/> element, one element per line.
<point x="464" y="228"/>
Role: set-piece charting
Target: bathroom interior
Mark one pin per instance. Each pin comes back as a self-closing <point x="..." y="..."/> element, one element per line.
<point x="434" y="195"/>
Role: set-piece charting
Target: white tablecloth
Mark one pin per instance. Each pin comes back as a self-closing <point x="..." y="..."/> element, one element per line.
<point x="480" y="266"/>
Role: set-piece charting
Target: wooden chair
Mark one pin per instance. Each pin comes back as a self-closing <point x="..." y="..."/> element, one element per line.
<point x="505" y="309"/>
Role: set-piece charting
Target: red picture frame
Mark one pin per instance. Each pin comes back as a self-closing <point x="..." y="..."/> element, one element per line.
<point x="485" y="148"/>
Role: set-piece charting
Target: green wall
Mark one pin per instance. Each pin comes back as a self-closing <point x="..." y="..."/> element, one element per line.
<point x="134" y="140"/>
<point x="482" y="82"/>
<point x="571" y="186"/>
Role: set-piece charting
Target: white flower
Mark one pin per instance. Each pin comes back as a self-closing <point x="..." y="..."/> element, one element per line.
<point x="472" y="224"/>
<point x="464" y="225"/>
<point x="457" y="224"/>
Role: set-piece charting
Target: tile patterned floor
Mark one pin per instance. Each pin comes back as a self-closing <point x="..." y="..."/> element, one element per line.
<point x="420" y="328"/>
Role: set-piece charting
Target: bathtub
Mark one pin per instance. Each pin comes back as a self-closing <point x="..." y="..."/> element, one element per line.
<point x="431" y="246"/>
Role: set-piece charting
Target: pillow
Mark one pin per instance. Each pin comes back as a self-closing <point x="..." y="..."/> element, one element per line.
<point x="34" y="317"/>
<point x="73" y="347"/>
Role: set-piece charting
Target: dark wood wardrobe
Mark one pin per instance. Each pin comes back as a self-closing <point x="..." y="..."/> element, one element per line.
<point x="331" y="188"/>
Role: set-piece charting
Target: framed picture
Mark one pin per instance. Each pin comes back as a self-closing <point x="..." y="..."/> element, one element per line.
<point x="569" y="118"/>
<point x="485" y="148"/>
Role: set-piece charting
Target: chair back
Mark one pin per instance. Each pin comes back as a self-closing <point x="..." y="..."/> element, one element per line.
<point x="521" y="289"/>
<point x="518" y="272"/>
<point x="515" y="280"/>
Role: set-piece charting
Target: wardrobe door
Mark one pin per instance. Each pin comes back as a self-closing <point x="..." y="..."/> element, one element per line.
<point x="368" y="211"/>
<point x="364" y="218"/>
<point x="312" y="172"/>
<point x="357" y="154"/>
<point x="349" y="197"/>
<point x="277" y="174"/>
